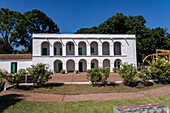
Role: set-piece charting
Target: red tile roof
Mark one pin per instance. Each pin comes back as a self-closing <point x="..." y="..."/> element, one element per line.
<point x="15" y="56"/>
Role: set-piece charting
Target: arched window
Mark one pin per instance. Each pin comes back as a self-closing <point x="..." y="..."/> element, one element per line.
<point x="57" y="48"/>
<point x="45" y="48"/>
<point x="94" y="63"/>
<point x="82" y="48"/>
<point x="70" y="66"/>
<point x="117" y="48"/>
<point x="58" y="66"/>
<point x="105" y="48"/>
<point x="70" y="48"/>
<point x="94" y="48"/>
<point x="117" y="63"/>
<point x="82" y="65"/>
<point x="106" y="63"/>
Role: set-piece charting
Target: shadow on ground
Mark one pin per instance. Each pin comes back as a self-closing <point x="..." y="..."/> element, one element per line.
<point x="8" y="100"/>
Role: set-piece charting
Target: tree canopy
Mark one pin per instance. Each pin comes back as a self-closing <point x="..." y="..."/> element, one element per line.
<point x="147" y="40"/>
<point x="16" y="29"/>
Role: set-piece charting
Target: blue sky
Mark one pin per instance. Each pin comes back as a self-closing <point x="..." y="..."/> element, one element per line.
<point x="70" y="15"/>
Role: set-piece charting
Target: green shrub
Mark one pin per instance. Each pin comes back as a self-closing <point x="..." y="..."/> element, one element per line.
<point x="128" y="73"/>
<point x="16" y="78"/>
<point x="160" y="70"/>
<point x="115" y="69"/>
<point x="145" y="75"/>
<point x="2" y="76"/>
<point x="63" y="71"/>
<point x="98" y="75"/>
<point x="40" y="73"/>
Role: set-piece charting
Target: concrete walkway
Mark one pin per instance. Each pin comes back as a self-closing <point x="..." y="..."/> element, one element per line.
<point x="85" y="97"/>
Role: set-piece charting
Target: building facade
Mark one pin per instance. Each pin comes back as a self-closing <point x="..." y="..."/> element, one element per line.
<point x="83" y="51"/>
<point x="75" y="52"/>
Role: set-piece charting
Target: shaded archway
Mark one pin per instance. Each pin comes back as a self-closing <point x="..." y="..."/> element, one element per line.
<point x="94" y="63"/>
<point x="45" y="48"/>
<point x="94" y="48"/>
<point x="57" y="48"/>
<point x="58" y="66"/>
<point x="105" y="48"/>
<point x="117" y="63"/>
<point x="117" y="48"/>
<point x="70" y="66"/>
<point x="106" y="63"/>
<point x="70" y="50"/>
<point x="82" y="65"/>
<point x="82" y="48"/>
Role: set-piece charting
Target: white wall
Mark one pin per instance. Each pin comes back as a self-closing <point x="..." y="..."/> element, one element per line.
<point x="21" y="64"/>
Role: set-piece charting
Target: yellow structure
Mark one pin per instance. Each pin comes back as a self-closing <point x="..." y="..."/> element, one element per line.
<point x="159" y="54"/>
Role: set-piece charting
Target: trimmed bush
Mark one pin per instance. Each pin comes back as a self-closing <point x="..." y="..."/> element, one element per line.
<point x="16" y="78"/>
<point x="2" y="76"/>
<point x="40" y="73"/>
<point x="98" y="75"/>
<point x="63" y="71"/>
<point x="128" y="73"/>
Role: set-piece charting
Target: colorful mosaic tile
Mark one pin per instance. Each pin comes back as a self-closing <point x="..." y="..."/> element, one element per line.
<point x="142" y="108"/>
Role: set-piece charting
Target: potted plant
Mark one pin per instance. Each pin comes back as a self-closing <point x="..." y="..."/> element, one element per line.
<point x="63" y="71"/>
<point x="76" y="71"/>
<point x="114" y="69"/>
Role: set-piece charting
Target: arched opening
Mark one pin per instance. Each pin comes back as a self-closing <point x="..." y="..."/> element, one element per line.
<point x="117" y="63"/>
<point x="94" y="63"/>
<point x="45" y="48"/>
<point x="70" y="48"/>
<point x="105" y="48"/>
<point x="82" y="65"/>
<point x="82" y="48"/>
<point x="70" y="66"/>
<point x="58" y="66"/>
<point x="117" y="48"/>
<point x="94" y="48"/>
<point x="106" y="63"/>
<point x="57" y="48"/>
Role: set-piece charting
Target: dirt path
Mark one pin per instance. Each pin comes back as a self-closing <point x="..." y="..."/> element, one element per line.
<point x="86" y="97"/>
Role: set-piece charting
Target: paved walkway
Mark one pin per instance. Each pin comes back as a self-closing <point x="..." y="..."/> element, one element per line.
<point x="85" y="97"/>
<point x="81" y="77"/>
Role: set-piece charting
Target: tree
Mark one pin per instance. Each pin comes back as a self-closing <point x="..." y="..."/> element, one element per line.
<point x="39" y="22"/>
<point x="147" y="40"/>
<point x="12" y="30"/>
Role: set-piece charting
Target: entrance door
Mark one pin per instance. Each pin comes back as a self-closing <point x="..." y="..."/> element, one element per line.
<point x="13" y="67"/>
<point x="81" y="66"/>
<point x="60" y="51"/>
<point x="59" y="67"/>
<point x="80" y="51"/>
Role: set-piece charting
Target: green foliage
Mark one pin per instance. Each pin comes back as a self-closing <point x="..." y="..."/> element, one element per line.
<point x="98" y="75"/>
<point x="16" y="29"/>
<point x="145" y="75"/>
<point x="160" y="70"/>
<point x="147" y="40"/>
<point x="40" y="73"/>
<point x="115" y="69"/>
<point x="63" y="71"/>
<point x="2" y="76"/>
<point x="128" y="73"/>
<point x="16" y="78"/>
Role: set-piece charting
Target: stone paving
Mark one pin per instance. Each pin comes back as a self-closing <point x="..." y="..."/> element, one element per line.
<point x="80" y="77"/>
<point x="85" y="97"/>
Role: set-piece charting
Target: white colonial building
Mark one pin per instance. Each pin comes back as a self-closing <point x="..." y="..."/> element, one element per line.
<point x="79" y="51"/>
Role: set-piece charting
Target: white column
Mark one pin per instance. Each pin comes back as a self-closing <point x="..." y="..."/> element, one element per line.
<point x="51" y="50"/>
<point x="76" y="65"/>
<point x="88" y="50"/>
<point x="111" y="49"/>
<point x="88" y="64"/>
<point x="100" y="49"/>
<point x="100" y="63"/>
<point x="76" y="50"/>
<point x="111" y="65"/>
<point x="64" y="66"/>
<point x="40" y="52"/>
<point x="64" y="50"/>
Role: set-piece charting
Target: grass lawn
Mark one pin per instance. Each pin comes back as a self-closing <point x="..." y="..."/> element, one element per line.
<point x="18" y="106"/>
<point x="83" y="89"/>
